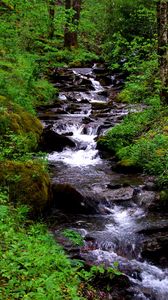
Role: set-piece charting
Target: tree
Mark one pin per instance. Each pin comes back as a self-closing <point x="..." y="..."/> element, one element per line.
<point x="162" y="18"/>
<point x="72" y="22"/>
<point x="51" y="12"/>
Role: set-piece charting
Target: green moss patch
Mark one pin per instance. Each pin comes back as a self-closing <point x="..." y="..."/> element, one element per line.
<point x="20" y="131"/>
<point x="28" y="182"/>
<point x="15" y="118"/>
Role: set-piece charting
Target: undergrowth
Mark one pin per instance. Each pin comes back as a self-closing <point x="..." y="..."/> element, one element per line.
<point x="141" y="140"/>
<point x="33" y="266"/>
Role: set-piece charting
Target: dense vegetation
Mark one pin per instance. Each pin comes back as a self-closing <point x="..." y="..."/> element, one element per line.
<point x="37" y="36"/>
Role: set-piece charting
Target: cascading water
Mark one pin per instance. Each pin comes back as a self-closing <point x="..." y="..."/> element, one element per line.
<point x="114" y="232"/>
<point x="85" y="154"/>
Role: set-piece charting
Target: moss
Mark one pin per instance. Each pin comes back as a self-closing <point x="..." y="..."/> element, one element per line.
<point x="127" y="163"/>
<point x="28" y="183"/>
<point x="17" y="119"/>
<point x="124" y="96"/>
<point x="164" y="199"/>
<point x="14" y="119"/>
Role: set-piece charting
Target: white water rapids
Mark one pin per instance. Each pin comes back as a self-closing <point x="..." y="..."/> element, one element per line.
<point x="81" y="157"/>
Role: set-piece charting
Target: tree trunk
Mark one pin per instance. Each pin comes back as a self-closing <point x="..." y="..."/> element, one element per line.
<point x="77" y="9"/>
<point x="67" y="31"/>
<point x="71" y="36"/>
<point x="51" y="12"/>
<point x="162" y="18"/>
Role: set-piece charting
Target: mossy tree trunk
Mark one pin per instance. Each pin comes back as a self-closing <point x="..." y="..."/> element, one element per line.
<point x="71" y="26"/>
<point x="162" y="18"/>
<point x="51" y="12"/>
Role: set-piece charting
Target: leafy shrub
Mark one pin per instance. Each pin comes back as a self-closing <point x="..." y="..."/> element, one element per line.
<point x="148" y="153"/>
<point x="32" y="265"/>
<point x="141" y="140"/>
<point x="132" y="126"/>
<point x="74" y="237"/>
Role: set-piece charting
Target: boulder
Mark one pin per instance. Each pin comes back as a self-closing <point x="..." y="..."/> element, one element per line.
<point x="155" y="246"/>
<point x="70" y="200"/>
<point x="52" y="141"/>
<point x="150" y="186"/>
<point x="147" y="199"/>
<point x="120" y="195"/>
<point x="28" y="183"/>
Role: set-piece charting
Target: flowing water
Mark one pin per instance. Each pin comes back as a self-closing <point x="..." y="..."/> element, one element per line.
<point x="114" y="232"/>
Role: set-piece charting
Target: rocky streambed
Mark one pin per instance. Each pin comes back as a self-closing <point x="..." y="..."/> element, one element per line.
<point x="116" y="213"/>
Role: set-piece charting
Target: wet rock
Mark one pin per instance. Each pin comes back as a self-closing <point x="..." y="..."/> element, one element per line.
<point x="150" y="186"/>
<point x="155" y="247"/>
<point x="114" y="186"/>
<point x="103" y="93"/>
<point x="144" y="198"/>
<point x="87" y="120"/>
<point x="106" y="81"/>
<point x="62" y="74"/>
<point x="68" y="199"/>
<point x="68" y="133"/>
<point x="85" y="101"/>
<point x="85" y="82"/>
<point x="52" y="141"/>
<point x="121" y="194"/>
<point x="60" y="111"/>
<point x="99" y="70"/>
<point x="99" y="105"/>
<point x="103" y="127"/>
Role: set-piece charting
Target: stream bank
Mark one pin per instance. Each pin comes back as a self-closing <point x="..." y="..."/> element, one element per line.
<point x="112" y="211"/>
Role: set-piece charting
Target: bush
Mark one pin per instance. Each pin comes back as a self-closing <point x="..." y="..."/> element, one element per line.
<point x="132" y="126"/>
<point x="32" y="265"/>
<point x="141" y="141"/>
<point x="148" y="153"/>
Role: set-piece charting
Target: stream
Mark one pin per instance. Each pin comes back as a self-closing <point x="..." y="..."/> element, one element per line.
<point x="112" y="216"/>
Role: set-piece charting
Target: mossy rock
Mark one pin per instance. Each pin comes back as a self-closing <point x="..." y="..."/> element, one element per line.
<point x="14" y="118"/>
<point x="28" y="183"/>
<point x="127" y="166"/>
<point x="102" y="143"/>
<point x="164" y="199"/>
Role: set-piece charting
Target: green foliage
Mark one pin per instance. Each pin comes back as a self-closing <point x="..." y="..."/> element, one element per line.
<point x="132" y="126"/>
<point x="100" y="277"/>
<point x="100" y="270"/>
<point x="21" y="77"/>
<point x="19" y="82"/>
<point x="92" y="27"/>
<point x="32" y="265"/>
<point x="74" y="237"/>
<point x="141" y="140"/>
<point x="149" y="153"/>
<point x="124" y="19"/>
